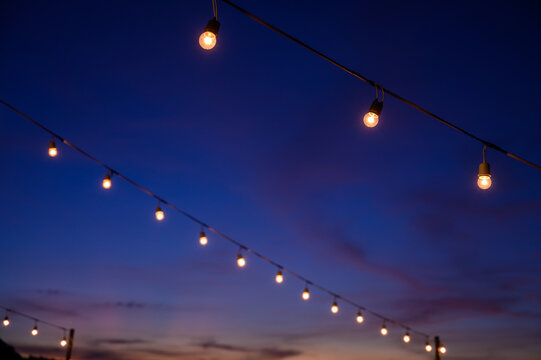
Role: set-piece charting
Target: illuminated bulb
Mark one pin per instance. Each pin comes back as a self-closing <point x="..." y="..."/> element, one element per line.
<point x="360" y="318"/>
<point x="279" y="277"/>
<point x="406" y="337"/>
<point x="306" y="294"/>
<point x="207" y="40"/>
<point x="241" y="262"/>
<point x="6" y="321"/>
<point x="35" y="330"/>
<point x="63" y="342"/>
<point x="52" y="149"/>
<point x="334" y="308"/>
<point x="159" y="213"/>
<point x="484" y="180"/>
<point x="203" y="238"/>
<point x="371" y="118"/>
<point x="384" y="330"/>
<point x="428" y="347"/>
<point x="106" y="183"/>
<point x="443" y="350"/>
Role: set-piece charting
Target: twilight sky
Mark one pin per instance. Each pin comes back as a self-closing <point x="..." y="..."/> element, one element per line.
<point x="263" y="140"/>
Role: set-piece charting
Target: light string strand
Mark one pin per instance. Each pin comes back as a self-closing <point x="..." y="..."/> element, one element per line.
<point x="376" y="85"/>
<point x="35" y="319"/>
<point x="245" y="248"/>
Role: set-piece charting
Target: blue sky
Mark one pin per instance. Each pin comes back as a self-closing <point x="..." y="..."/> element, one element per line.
<point x="263" y="141"/>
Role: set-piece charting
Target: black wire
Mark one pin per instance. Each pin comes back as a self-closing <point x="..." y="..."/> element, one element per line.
<point x="216" y="231"/>
<point x="373" y="83"/>
<point x="36" y="320"/>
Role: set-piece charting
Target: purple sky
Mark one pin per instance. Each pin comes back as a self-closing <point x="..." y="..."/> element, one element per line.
<point x="263" y="141"/>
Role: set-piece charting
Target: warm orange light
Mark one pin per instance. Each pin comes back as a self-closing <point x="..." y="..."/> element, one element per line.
<point x="63" y="342"/>
<point x="159" y="213"/>
<point x="35" y="331"/>
<point x="106" y="183"/>
<point x="6" y="321"/>
<point x="384" y="330"/>
<point x="207" y="40"/>
<point x="443" y="350"/>
<point x="279" y="277"/>
<point x="52" y="149"/>
<point x="360" y="318"/>
<point x="406" y="338"/>
<point x="334" y="308"/>
<point x="428" y="347"/>
<point x="241" y="262"/>
<point x="371" y="119"/>
<point x="306" y="294"/>
<point x="203" y="238"/>
<point x="484" y="182"/>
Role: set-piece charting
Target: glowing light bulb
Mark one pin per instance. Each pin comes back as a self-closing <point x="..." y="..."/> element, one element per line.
<point x="371" y="118"/>
<point x="241" y="262"/>
<point x="406" y="337"/>
<point x="428" y="347"/>
<point x="279" y="277"/>
<point x="63" y="342"/>
<point x="34" y="330"/>
<point x="203" y="238"/>
<point x="384" y="330"/>
<point x="306" y="294"/>
<point x="159" y="213"/>
<point x="334" y="307"/>
<point x="208" y="38"/>
<point x="484" y="182"/>
<point x="106" y="183"/>
<point x="360" y="318"/>
<point x="6" y="321"/>
<point x="443" y="350"/>
<point x="52" y="149"/>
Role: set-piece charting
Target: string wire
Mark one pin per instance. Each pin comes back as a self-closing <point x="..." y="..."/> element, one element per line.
<point x="35" y="319"/>
<point x="383" y="89"/>
<point x="214" y="230"/>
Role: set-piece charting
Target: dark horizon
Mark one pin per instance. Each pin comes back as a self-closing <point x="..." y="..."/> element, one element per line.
<point x="265" y="142"/>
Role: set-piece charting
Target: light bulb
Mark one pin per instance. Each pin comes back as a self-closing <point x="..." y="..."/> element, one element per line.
<point x="360" y="318"/>
<point x="35" y="331"/>
<point x="306" y="294"/>
<point x="384" y="330"/>
<point x="443" y="350"/>
<point x="203" y="238"/>
<point x="63" y="342"/>
<point x="334" y="308"/>
<point x="241" y="262"/>
<point x="159" y="213"/>
<point x="484" y="182"/>
<point x="371" y="118"/>
<point x="6" y="321"/>
<point x="207" y="40"/>
<point x="406" y="337"/>
<point x="279" y="277"/>
<point x="106" y="183"/>
<point x="428" y="347"/>
<point x="52" y="149"/>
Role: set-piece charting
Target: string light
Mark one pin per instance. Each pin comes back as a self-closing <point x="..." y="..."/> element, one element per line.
<point x="64" y="341"/>
<point x="6" y="320"/>
<point x="279" y="277"/>
<point x="53" y="151"/>
<point x="334" y="307"/>
<point x="35" y="329"/>
<point x="241" y="262"/>
<point x="371" y="118"/>
<point x="428" y="347"/>
<point x="443" y="349"/>
<point x="306" y="293"/>
<point x="359" y="318"/>
<point x="159" y="213"/>
<point x="203" y="238"/>
<point x="208" y="38"/>
<point x="106" y="183"/>
<point x="406" y="337"/>
<point x="383" y="330"/>
<point x="484" y="180"/>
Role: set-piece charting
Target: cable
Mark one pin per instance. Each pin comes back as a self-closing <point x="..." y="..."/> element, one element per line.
<point x="33" y="318"/>
<point x="373" y="83"/>
<point x="214" y="230"/>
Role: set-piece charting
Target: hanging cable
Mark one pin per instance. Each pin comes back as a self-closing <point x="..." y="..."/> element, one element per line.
<point x="373" y="83"/>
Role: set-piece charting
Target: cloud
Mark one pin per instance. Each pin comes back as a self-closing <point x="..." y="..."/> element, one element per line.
<point x="118" y="341"/>
<point x="256" y="353"/>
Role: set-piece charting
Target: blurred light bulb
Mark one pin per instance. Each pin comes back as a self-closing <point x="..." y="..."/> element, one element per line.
<point x="384" y="330"/>
<point x="35" y="331"/>
<point x="443" y="350"/>
<point x="360" y="318"/>
<point x="106" y="183"/>
<point x="371" y="118"/>
<point x="241" y="262"/>
<point x="6" y="321"/>
<point x="406" y="337"/>
<point x="279" y="277"/>
<point x="306" y="294"/>
<point x="52" y="149"/>
<point x="207" y="40"/>
<point x="63" y="342"/>
<point x="334" y="308"/>
<point x="203" y="238"/>
<point x="428" y="347"/>
<point x="159" y="213"/>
